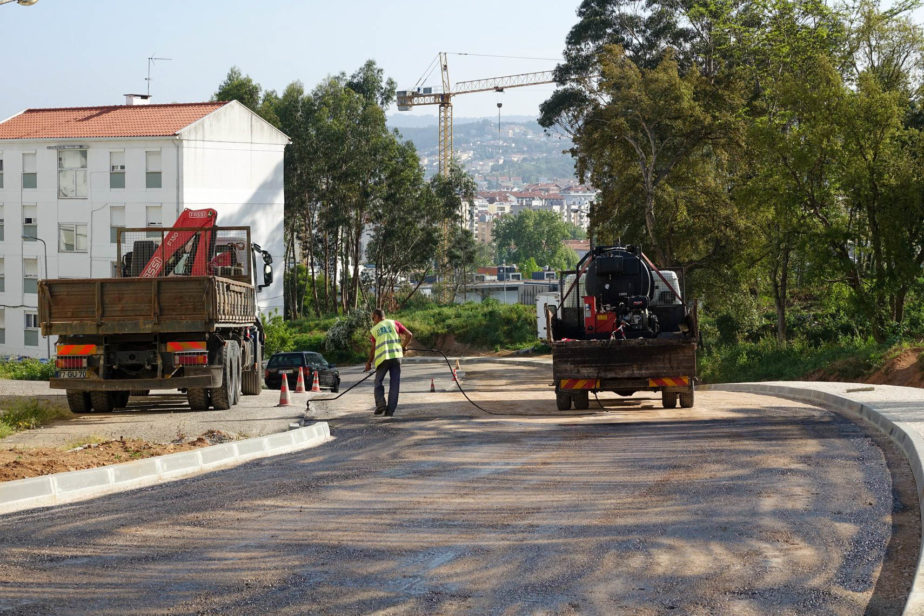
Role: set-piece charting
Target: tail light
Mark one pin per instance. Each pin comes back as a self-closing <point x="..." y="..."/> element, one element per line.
<point x="188" y="353"/>
<point x="71" y="362"/>
<point x="191" y="358"/>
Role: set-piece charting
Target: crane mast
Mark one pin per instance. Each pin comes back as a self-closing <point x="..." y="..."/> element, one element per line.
<point x="425" y="96"/>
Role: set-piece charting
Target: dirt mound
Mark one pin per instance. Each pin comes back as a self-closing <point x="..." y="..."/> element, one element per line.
<point x="905" y="369"/>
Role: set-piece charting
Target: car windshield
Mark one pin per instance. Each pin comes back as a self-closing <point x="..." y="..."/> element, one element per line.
<point x="316" y="359"/>
<point x="289" y="360"/>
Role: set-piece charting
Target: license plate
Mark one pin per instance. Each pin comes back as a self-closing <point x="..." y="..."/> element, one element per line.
<point x="72" y="374"/>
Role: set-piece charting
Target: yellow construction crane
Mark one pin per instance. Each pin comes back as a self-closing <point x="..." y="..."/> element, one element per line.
<point x="426" y="96"/>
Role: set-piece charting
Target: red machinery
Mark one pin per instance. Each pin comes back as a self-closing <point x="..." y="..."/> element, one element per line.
<point x="186" y="236"/>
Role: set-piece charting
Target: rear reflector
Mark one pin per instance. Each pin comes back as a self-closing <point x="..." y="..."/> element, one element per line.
<point x="76" y="349"/>
<point x="180" y="347"/>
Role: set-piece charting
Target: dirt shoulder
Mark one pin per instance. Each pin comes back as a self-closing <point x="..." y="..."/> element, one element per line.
<point x="22" y="463"/>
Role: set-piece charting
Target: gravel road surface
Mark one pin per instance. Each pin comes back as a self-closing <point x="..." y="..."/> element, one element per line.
<point x="742" y="505"/>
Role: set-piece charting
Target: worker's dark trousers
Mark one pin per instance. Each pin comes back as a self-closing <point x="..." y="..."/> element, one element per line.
<point x="393" y="368"/>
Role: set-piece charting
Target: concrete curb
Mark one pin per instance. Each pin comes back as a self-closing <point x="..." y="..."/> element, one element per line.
<point x="79" y="485"/>
<point x="898" y="412"/>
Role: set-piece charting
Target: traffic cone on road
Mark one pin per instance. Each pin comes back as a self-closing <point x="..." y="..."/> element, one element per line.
<point x="432" y="386"/>
<point x="300" y="383"/>
<point x="454" y="379"/>
<point x="284" y="391"/>
<point x="315" y="382"/>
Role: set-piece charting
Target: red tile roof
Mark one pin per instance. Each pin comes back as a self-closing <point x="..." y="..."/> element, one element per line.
<point x="112" y="121"/>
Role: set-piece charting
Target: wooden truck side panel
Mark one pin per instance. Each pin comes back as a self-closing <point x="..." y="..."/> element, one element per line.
<point x="69" y="307"/>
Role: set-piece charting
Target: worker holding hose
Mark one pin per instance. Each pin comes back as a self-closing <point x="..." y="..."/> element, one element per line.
<point x="389" y="341"/>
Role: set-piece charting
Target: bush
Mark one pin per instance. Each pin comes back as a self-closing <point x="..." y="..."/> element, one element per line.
<point x="27" y="370"/>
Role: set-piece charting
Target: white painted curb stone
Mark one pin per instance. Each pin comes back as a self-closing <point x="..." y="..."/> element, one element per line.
<point x="79" y="485"/>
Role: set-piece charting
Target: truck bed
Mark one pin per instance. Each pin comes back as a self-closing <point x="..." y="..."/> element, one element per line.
<point x="103" y="306"/>
<point x="638" y="358"/>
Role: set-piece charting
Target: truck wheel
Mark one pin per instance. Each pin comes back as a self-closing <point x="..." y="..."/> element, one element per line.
<point x="563" y="401"/>
<point x="236" y="372"/>
<point x="250" y="383"/>
<point x="669" y="399"/>
<point x="686" y="399"/>
<point x="223" y="395"/>
<point x="581" y="400"/>
<point x="198" y="399"/>
<point x="102" y="401"/>
<point x="120" y="399"/>
<point x="78" y="401"/>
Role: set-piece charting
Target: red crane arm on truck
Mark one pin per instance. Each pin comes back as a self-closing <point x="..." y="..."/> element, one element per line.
<point x="176" y="240"/>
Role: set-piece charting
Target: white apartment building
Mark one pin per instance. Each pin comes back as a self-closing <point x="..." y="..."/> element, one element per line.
<point x="71" y="177"/>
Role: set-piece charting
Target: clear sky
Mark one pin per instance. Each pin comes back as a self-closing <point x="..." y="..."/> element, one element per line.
<point x="69" y="53"/>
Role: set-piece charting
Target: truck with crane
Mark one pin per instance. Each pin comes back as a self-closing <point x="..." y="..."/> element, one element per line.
<point x="180" y="315"/>
<point x="620" y="324"/>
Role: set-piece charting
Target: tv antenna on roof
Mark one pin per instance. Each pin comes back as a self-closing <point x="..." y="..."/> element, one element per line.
<point x="151" y="59"/>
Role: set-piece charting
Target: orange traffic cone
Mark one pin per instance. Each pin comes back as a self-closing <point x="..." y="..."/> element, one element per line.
<point x="300" y="383"/>
<point x="315" y="384"/>
<point x="454" y="379"/>
<point x="432" y="386"/>
<point x="284" y="391"/>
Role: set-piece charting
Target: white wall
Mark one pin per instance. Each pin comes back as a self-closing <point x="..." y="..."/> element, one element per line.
<point x="231" y="161"/>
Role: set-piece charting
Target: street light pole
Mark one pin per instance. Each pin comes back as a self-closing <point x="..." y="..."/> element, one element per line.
<point x="45" y="250"/>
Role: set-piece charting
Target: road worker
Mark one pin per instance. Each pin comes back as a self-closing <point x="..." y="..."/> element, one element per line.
<point x="390" y="340"/>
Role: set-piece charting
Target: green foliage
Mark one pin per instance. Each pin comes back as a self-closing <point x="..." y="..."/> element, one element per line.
<point x="534" y="235"/>
<point x="24" y="414"/>
<point x="278" y="333"/>
<point x="26" y="370"/>
<point x="766" y="359"/>
<point x="348" y="336"/>
<point x="489" y="325"/>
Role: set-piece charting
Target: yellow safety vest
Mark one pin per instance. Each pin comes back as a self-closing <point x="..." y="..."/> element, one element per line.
<point x="387" y="341"/>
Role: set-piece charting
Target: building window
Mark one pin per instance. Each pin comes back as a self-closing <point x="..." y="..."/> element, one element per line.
<point x="1" y="222"/>
<point x="30" y="220"/>
<point x="2" y="326"/>
<point x="29" y="174"/>
<point x="153" y="218"/>
<point x="72" y="237"/>
<point x="31" y="333"/>
<point x="117" y="169"/>
<point x="152" y="170"/>
<point x="116" y="222"/>
<point x="2" y="276"/>
<point x="1" y="169"/>
<point x="72" y="174"/>
<point x="30" y="275"/>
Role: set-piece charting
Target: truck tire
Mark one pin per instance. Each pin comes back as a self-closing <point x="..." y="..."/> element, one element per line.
<point x="198" y="399"/>
<point x="235" y="372"/>
<point x="251" y="380"/>
<point x="581" y="400"/>
<point x="79" y="401"/>
<point x="102" y="401"/>
<point x="250" y="383"/>
<point x="563" y="401"/>
<point x="669" y="399"/>
<point x="223" y="395"/>
<point x="120" y="399"/>
<point x="686" y="399"/>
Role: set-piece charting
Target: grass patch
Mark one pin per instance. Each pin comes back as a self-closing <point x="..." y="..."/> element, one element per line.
<point x="767" y="360"/>
<point x="26" y="370"/>
<point x="28" y="413"/>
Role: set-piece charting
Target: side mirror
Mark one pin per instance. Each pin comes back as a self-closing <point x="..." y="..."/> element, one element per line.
<point x="267" y="275"/>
